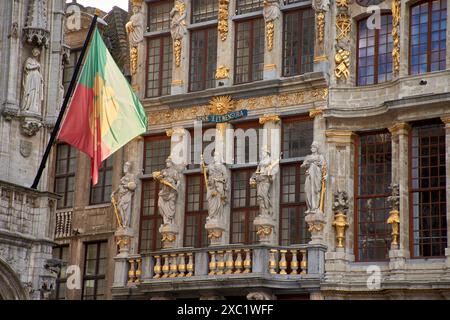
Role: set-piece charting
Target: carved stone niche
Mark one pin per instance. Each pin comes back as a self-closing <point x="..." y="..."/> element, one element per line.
<point x="36" y="29"/>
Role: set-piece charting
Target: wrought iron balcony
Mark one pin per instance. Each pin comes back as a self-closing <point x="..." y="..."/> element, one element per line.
<point x="63" y="226"/>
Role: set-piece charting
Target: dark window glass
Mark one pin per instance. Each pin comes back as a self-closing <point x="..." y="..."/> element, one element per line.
<point x="204" y="10"/>
<point x="372" y="209"/>
<point x="297" y="138"/>
<point x="194" y="145"/>
<point x="249" y="60"/>
<point x="94" y="271"/>
<point x="247" y="143"/>
<point x="428" y="28"/>
<point x="428" y="192"/>
<point x="298" y="46"/>
<point x="69" y="68"/>
<point x="101" y="192"/>
<point x="244" y="208"/>
<point x="66" y="157"/>
<point x="293" y="229"/>
<point x="203" y="59"/>
<point x="61" y="253"/>
<point x="245" y="6"/>
<point x="375" y="52"/>
<point x="150" y="238"/>
<point x="157" y="149"/>
<point x="159" y="66"/>
<point x="159" y="16"/>
<point x="196" y="212"/>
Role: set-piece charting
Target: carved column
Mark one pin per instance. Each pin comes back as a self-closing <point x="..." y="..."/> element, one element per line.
<point x="446" y="120"/>
<point x="225" y="41"/>
<point x="180" y="17"/>
<point x="273" y="39"/>
<point x="341" y="152"/>
<point x="267" y="228"/>
<point x="400" y="171"/>
<point x="342" y="52"/>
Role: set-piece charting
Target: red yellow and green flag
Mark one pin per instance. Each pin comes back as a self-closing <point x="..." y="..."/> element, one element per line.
<point x="104" y="113"/>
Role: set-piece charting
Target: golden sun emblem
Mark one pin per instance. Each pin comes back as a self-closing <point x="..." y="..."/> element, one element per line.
<point x="221" y="105"/>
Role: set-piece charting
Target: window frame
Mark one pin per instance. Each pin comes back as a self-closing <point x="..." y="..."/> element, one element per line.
<point x="357" y="197"/>
<point x="65" y="175"/>
<point x="160" y="37"/>
<point x="429" y="34"/>
<point x="246" y="210"/>
<point x="251" y="19"/>
<point x="376" y="53"/>
<point x="61" y="279"/>
<point x="412" y="190"/>
<point x="203" y="83"/>
<point x="295" y="9"/>
<point x="155" y="217"/>
<point x="105" y="198"/>
<point x="97" y="276"/>
<point x="199" y="214"/>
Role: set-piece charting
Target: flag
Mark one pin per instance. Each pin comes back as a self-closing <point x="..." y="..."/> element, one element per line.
<point x="104" y="113"/>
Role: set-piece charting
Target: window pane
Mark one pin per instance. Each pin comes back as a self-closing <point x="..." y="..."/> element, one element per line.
<point x="374" y="179"/>
<point x="429" y="191"/>
<point x="203" y="59"/>
<point x="159" y="16"/>
<point x="245" y="6"/>
<point x="101" y="192"/>
<point x="159" y="66"/>
<point x="204" y="10"/>
<point x="65" y="174"/>
<point x="297" y="138"/>
<point x="157" y="150"/>
<point x="249" y="61"/>
<point x="298" y="45"/>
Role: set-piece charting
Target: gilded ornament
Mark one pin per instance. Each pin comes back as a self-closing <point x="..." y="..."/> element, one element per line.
<point x="269" y="35"/>
<point x="340" y="207"/>
<point x="343" y="25"/>
<point x="320" y="20"/>
<point x="134" y="60"/>
<point x="264" y="230"/>
<point x="271" y="12"/>
<point x="221" y="105"/>
<point x="169" y="237"/>
<point x="269" y="118"/>
<point x="222" y="72"/>
<point x="315" y="112"/>
<point x="177" y="52"/>
<point x="222" y="25"/>
<point x="342" y="3"/>
<point x="214" y="234"/>
<point x="394" y="214"/>
<point x="342" y="60"/>
<point x="396" y="35"/>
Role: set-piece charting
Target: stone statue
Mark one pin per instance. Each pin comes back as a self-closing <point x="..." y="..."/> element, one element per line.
<point x="315" y="176"/>
<point x="33" y="84"/>
<point x="262" y="179"/>
<point x="178" y="20"/>
<point x="217" y="184"/>
<point x="271" y="10"/>
<point x="124" y="194"/>
<point x="169" y="178"/>
<point x="135" y="27"/>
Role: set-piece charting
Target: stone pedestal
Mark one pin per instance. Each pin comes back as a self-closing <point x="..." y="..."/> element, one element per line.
<point x="124" y="238"/>
<point x="316" y="222"/>
<point x="120" y="271"/>
<point x="397" y="261"/>
<point x="216" y="232"/>
<point x="265" y="229"/>
<point x="169" y="234"/>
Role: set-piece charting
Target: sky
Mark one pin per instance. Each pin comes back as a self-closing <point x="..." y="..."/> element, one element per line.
<point x="105" y="5"/>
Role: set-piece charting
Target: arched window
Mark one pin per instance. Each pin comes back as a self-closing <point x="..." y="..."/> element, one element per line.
<point x="374" y="52"/>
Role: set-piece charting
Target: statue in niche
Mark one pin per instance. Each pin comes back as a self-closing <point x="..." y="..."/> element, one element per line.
<point x="169" y="178"/>
<point x="178" y="20"/>
<point x="315" y="179"/>
<point x="262" y="179"/>
<point x="321" y="5"/>
<point x="135" y="27"/>
<point x="124" y="194"/>
<point x="33" y="84"/>
<point x="217" y="185"/>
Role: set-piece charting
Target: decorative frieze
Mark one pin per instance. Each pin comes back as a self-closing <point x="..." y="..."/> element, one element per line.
<point x="280" y="100"/>
<point x="269" y="118"/>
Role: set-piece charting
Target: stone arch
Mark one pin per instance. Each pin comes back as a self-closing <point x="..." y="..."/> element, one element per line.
<point x="11" y="287"/>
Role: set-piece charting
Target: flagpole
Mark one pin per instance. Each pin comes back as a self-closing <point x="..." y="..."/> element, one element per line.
<point x="65" y="103"/>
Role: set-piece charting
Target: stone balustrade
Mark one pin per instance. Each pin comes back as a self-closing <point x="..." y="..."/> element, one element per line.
<point x="135" y="270"/>
<point x="63" y="225"/>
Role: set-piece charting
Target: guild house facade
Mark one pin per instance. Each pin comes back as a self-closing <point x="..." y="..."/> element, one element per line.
<point x="346" y="194"/>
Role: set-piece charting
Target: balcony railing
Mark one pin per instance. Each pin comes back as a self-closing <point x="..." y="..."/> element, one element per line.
<point x="63" y="226"/>
<point x="256" y="264"/>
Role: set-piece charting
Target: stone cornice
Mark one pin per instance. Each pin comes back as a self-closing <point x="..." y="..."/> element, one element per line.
<point x="401" y="127"/>
<point x="340" y="136"/>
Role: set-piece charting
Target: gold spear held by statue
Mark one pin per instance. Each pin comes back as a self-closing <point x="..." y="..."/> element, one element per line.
<point x="204" y="171"/>
<point x="119" y="219"/>
<point x="322" y="193"/>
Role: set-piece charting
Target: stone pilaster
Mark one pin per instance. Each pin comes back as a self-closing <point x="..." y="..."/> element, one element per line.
<point x="319" y="125"/>
<point x="340" y="178"/>
<point x="180" y="71"/>
<point x="446" y="120"/>
<point x="273" y="42"/>
<point x="225" y="41"/>
<point x="323" y="27"/>
<point x="400" y="174"/>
